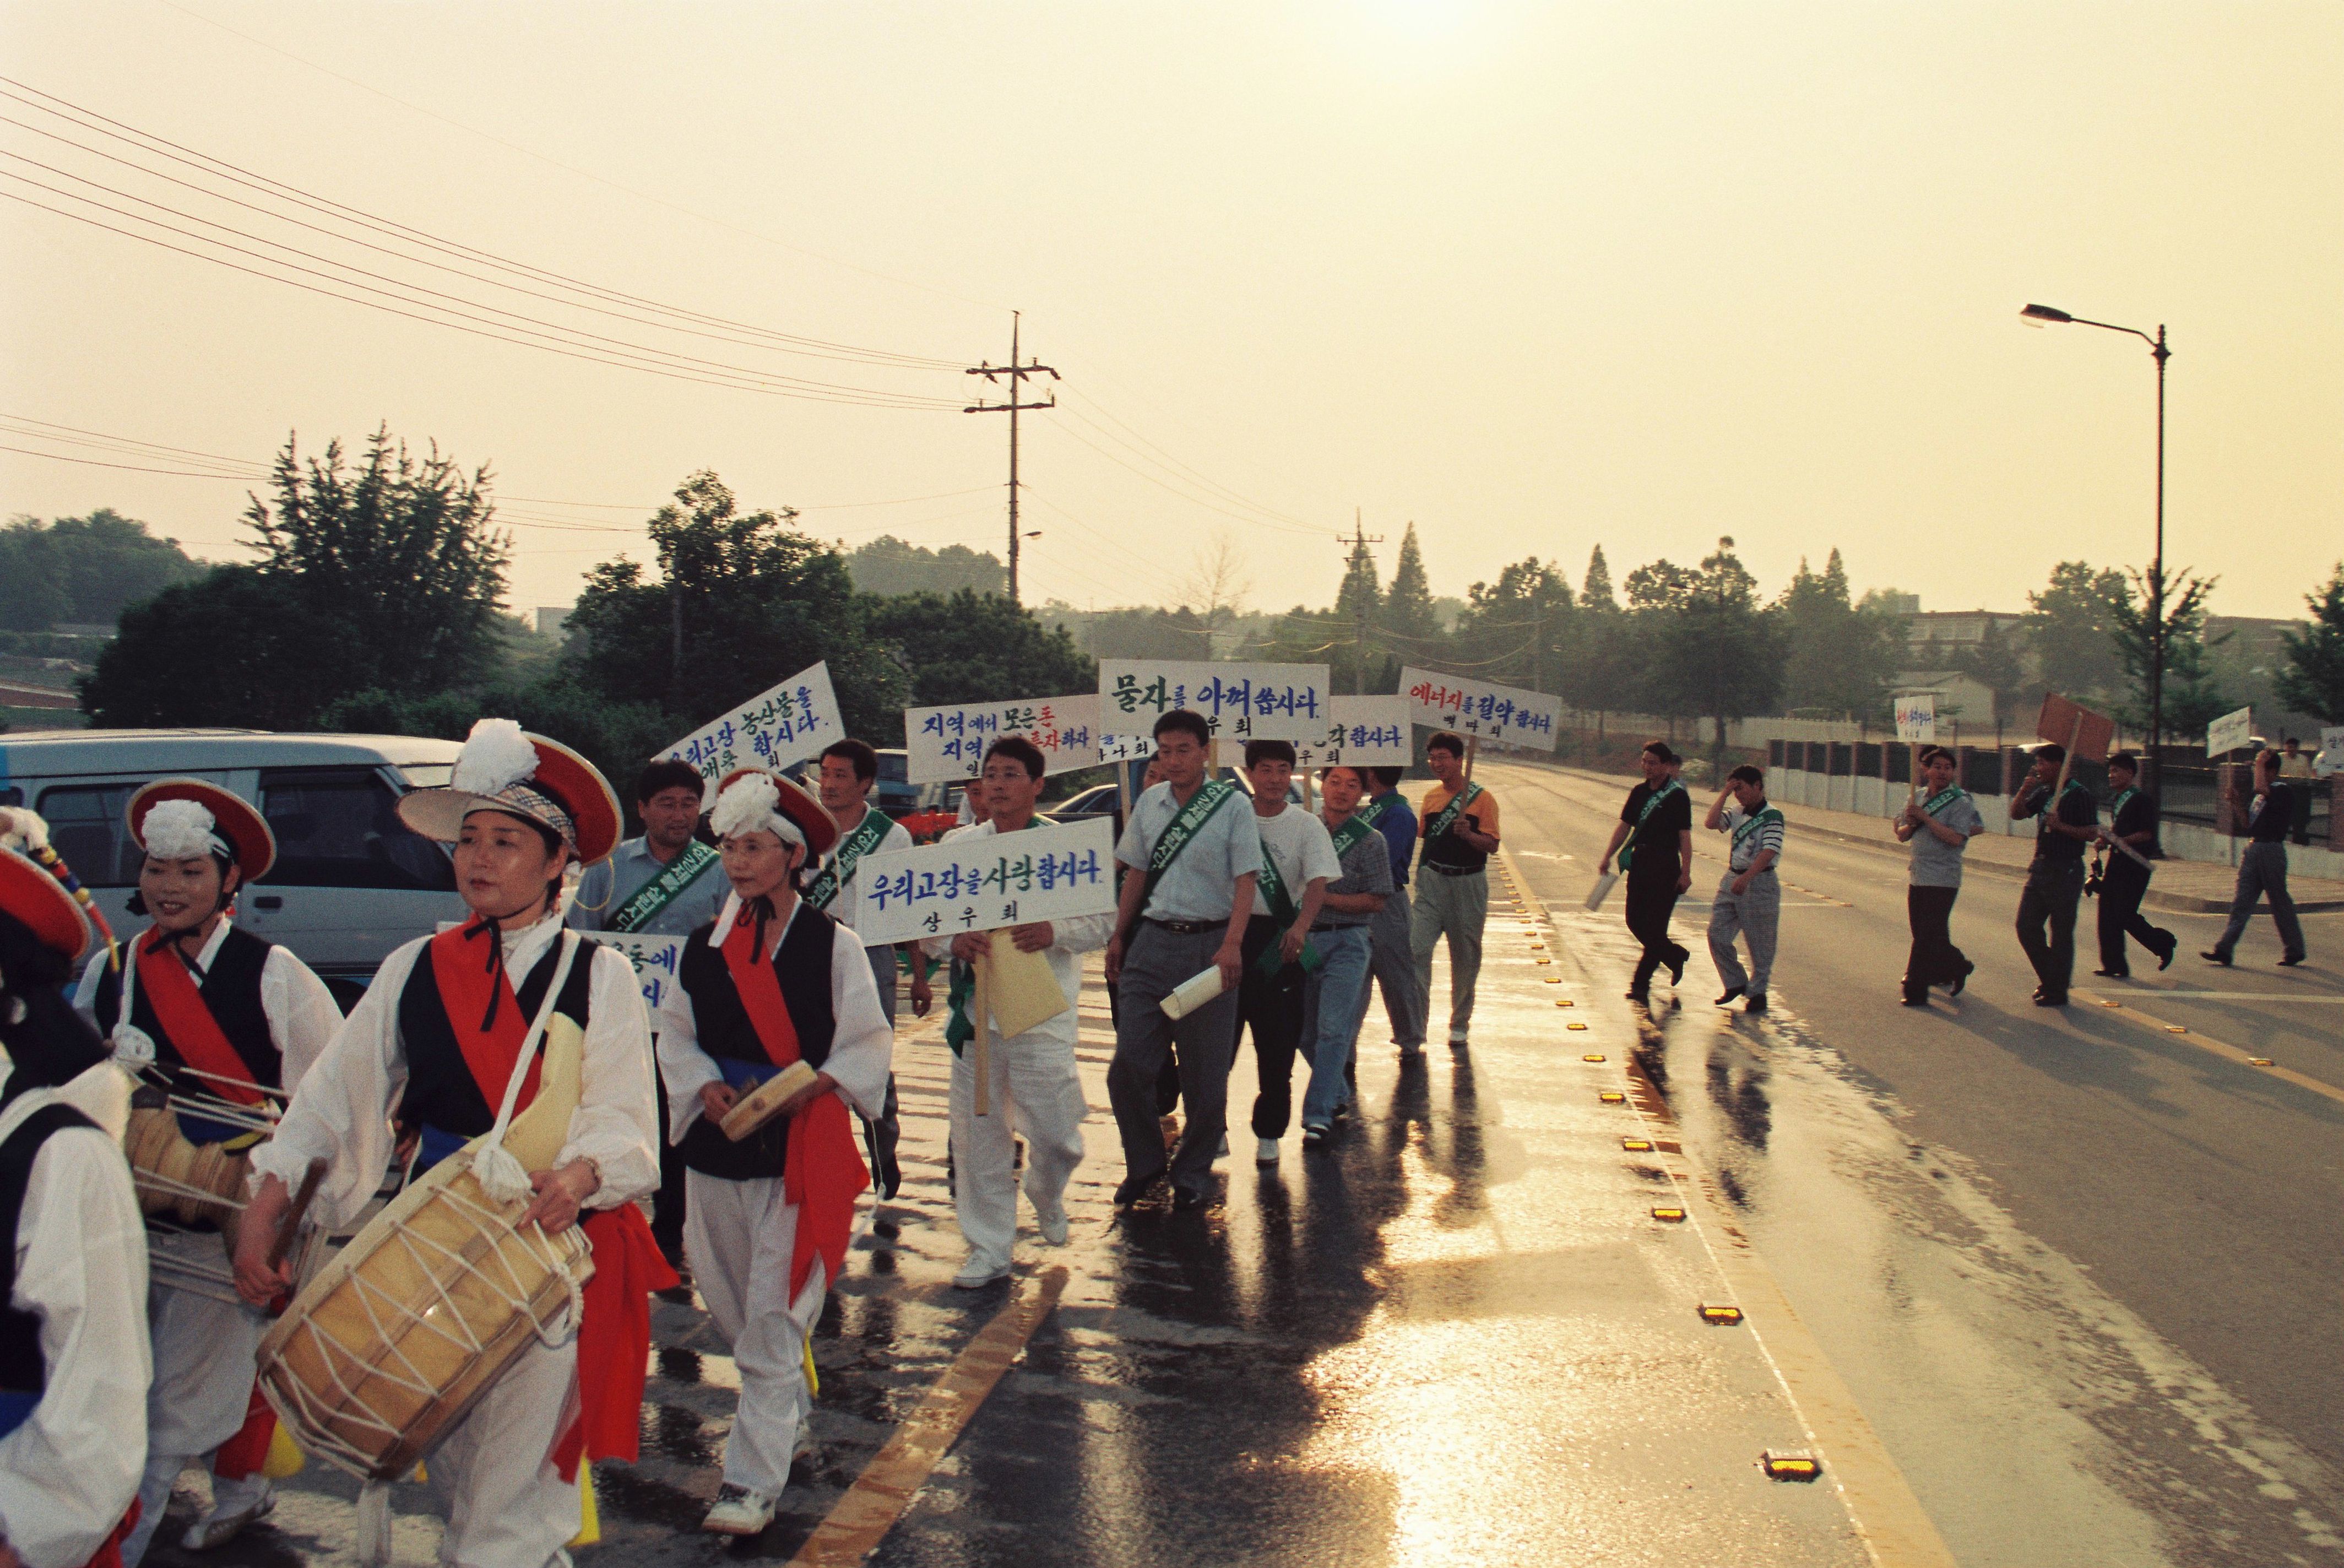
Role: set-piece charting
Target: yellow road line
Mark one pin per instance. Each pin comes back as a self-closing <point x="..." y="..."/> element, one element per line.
<point x="868" y="1510"/>
<point x="2223" y="1049"/>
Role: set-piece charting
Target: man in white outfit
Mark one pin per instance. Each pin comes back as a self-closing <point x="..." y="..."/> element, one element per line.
<point x="772" y="984"/>
<point x="1034" y="1088"/>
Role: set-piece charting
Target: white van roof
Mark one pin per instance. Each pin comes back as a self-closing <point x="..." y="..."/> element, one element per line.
<point x="154" y="754"/>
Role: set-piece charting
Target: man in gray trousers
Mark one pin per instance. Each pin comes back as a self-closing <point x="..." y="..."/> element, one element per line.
<point x="1195" y="852"/>
<point x="1749" y="902"/>
<point x="2262" y="869"/>
<point x="1392" y="959"/>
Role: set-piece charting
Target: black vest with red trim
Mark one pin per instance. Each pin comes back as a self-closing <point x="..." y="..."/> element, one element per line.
<point x="231" y="992"/>
<point x="801" y="963"/>
<point x="441" y="1089"/>
<point x="23" y="1370"/>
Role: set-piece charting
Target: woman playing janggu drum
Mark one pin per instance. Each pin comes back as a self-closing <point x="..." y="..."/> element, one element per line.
<point x="433" y="1047"/>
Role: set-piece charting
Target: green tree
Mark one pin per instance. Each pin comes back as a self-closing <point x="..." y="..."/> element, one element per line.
<point x="1595" y="592"/>
<point x="2313" y="680"/>
<point x="240" y="647"/>
<point x="1141" y="632"/>
<point x="1839" y="658"/>
<point x="1994" y="664"/>
<point x="1518" y="629"/>
<point x="1710" y="648"/>
<point x="742" y="600"/>
<point x="1408" y="615"/>
<point x="974" y="648"/>
<point x="82" y="569"/>
<point x="2193" y="699"/>
<point x="615" y="736"/>
<point x="2072" y="632"/>
<point x="889" y="565"/>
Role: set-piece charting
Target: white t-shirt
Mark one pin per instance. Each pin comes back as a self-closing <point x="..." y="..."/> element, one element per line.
<point x="1302" y="847"/>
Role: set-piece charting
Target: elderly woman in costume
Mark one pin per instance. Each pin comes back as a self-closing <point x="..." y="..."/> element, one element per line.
<point x="434" y="1047"/>
<point x="771" y="983"/>
<point x="223" y="1018"/>
<point x="74" y="1362"/>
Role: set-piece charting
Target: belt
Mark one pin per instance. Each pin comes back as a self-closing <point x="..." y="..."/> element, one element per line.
<point x="1184" y="927"/>
<point x="1453" y="870"/>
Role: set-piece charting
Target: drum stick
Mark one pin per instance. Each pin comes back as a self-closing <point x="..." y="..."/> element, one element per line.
<point x="983" y="1045"/>
<point x="311" y="1178"/>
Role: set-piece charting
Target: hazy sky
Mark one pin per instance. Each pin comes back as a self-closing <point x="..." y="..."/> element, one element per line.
<point x="1535" y="277"/>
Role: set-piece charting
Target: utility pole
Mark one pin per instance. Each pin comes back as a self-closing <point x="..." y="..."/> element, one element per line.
<point x="1017" y="373"/>
<point x="1359" y="543"/>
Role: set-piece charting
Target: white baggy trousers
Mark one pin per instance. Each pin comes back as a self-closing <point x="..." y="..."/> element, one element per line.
<point x="205" y="1351"/>
<point x="1035" y="1091"/>
<point x="739" y="1236"/>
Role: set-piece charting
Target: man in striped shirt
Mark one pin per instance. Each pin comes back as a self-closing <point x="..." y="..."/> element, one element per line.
<point x="1749" y="902"/>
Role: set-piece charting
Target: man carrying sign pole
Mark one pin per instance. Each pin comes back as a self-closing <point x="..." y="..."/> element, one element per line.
<point x="2066" y="819"/>
<point x="1198" y="855"/>
<point x="1033" y="1088"/>
<point x="2132" y="833"/>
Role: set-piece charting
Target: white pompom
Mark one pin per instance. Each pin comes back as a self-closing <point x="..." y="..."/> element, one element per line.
<point x="178" y="829"/>
<point x="498" y="1173"/>
<point x="496" y="754"/>
<point x="22" y="829"/>
<point x="749" y="804"/>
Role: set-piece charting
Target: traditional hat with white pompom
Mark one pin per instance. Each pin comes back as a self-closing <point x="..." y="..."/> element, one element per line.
<point x="185" y="819"/>
<point x="504" y="768"/>
<point x="752" y="800"/>
<point x="31" y="892"/>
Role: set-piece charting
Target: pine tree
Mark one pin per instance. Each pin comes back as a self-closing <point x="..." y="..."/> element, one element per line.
<point x="1357" y="605"/>
<point x="1596" y="595"/>
<point x="1408" y="612"/>
<point x="2313" y="682"/>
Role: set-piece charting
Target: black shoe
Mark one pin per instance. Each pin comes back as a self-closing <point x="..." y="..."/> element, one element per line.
<point x="1731" y="992"/>
<point x="1756" y="1003"/>
<point x="2114" y="974"/>
<point x="2164" y="954"/>
<point x="1961" y="979"/>
<point x="1642" y="998"/>
<point x="2291" y="960"/>
<point x="2213" y="956"/>
<point x="1676" y="966"/>
<point x="2043" y="999"/>
<point x="1916" y="1001"/>
<point x="1185" y="1199"/>
<point x="1135" y="1187"/>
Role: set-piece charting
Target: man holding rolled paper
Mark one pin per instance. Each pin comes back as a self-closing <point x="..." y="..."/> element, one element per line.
<point x="1033" y="1086"/>
<point x="1298" y="861"/>
<point x="2066" y="818"/>
<point x="1180" y="927"/>
<point x="2131" y="834"/>
<point x="772" y="1031"/>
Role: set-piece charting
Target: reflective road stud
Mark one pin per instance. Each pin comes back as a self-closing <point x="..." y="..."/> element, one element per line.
<point x="2258" y="1061"/>
<point x="1789" y="1466"/>
<point x="1637" y="1144"/>
<point x="1581" y="1026"/>
<point x="1669" y="1216"/>
<point x="1724" y="1317"/>
<point x="1611" y="1097"/>
<point x="1592" y="1057"/>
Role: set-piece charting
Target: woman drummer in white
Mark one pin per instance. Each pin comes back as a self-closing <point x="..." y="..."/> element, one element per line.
<point x="771" y="981"/>
<point x="222" y="1015"/>
<point x="438" y="1014"/>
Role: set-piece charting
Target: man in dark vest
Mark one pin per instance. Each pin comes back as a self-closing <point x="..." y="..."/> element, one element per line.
<point x="2066" y="818"/>
<point x="224" y="1018"/>
<point x="772" y="984"/>
<point x="2132" y="827"/>
<point x="1654" y="841"/>
<point x="73" y="1363"/>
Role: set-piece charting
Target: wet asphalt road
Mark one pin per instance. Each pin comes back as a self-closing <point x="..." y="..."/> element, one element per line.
<point x="2071" y="1281"/>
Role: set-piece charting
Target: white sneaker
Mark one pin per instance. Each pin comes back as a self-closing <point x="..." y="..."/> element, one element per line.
<point x="739" y="1511"/>
<point x="1052" y="1223"/>
<point x="234" y="1504"/>
<point x="979" y="1272"/>
<point x="1265" y="1151"/>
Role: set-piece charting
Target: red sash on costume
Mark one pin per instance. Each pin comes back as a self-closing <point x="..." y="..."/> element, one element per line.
<point x="244" y="1455"/>
<point x="467" y="988"/>
<point x="822" y="1172"/>
<point x="195" y="1033"/>
<point x="109" y="1551"/>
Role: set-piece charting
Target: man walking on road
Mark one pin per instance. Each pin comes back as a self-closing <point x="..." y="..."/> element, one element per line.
<point x="2296" y="771"/>
<point x="1198" y="855"/>
<point x="1335" y="996"/>
<point x="2132" y="820"/>
<point x="2054" y="878"/>
<point x="1452" y="897"/>
<point x="1749" y="902"/>
<point x="1298" y="862"/>
<point x="1392" y="958"/>
<point x="2262" y="869"/>
<point x="1656" y="827"/>
<point x="1939" y="822"/>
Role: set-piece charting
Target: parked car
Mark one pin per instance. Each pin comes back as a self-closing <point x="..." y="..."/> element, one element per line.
<point x="350" y="881"/>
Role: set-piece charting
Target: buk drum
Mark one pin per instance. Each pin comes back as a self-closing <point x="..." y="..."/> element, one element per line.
<point x="392" y="1343"/>
<point x="190" y="1182"/>
<point x="765" y="1100"/>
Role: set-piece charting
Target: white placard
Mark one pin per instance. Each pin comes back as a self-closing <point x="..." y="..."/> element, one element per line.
<point x="2230" y="732"/>
<point x="980" y="881"/>
<point x="1240" y="702"/>
<point x="1507" y="715"/>
<point x="948" y="742"/>
<point x="1916" y="719"/>
<point x="654" y="958"/>
<point x="772" y="729"/>
<point x="2331" y="751"/>
<point x="1361" y="732"/>
<point x="1126" y="748"/>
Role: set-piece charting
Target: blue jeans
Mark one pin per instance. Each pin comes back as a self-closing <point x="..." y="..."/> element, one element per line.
<point x="1330" y="1017"/>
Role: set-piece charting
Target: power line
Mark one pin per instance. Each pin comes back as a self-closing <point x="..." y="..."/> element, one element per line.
<point x="1195" y="472"/>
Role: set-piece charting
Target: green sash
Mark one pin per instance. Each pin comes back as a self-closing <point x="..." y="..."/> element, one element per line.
<point x="1752" y="825"/>
<point x="1952" y="792"/>
<point x="1284" y="911"/>
<point x="1210" y="797"/>
<point x="1355" y="827"/>
<point x="1449" y="814"/>
<point x="860" y="843"/>
<point x="1628" y="850"/>
<point x="664" y="889"/>
<point x="2115" y="806"/>
<point x="1371" y="810"/>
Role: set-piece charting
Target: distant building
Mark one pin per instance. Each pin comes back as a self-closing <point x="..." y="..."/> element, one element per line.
<point x="1958" y="695"/>
<point x="552" y="617"/>
<point x="1888" y="601"/>
<point x="1932" y="635"/>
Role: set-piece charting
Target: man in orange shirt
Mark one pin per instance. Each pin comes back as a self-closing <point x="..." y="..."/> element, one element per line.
<point x="1452" y="895"/>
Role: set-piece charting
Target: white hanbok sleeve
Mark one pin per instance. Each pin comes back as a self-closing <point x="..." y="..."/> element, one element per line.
<point x="862" y="1042"/>
<point x="340" y="1110"/>
<point x="70" y="1469"/>
<point x="616" y="1124"/>
<point x="303" y="1017"/>
<point x="1081" y="934"/>
<point x="683" y="1065"/>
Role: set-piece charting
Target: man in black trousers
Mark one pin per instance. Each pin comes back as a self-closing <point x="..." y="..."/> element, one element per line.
<point x="2054" y="878"/>
<point x="1656" y="825"/>
<point x="2132" y="820"/>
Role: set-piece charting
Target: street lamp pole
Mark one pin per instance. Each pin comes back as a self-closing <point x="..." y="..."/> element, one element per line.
<point x="2038" y="315"/>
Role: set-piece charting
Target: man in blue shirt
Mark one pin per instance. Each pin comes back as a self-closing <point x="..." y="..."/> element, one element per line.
<point x="1391" y="961"/>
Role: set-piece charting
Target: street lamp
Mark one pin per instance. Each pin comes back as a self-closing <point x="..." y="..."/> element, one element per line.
<point x="2039" y="316"/>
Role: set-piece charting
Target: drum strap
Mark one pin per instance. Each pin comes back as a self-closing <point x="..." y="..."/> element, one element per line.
<point x="195" y="1033"/>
